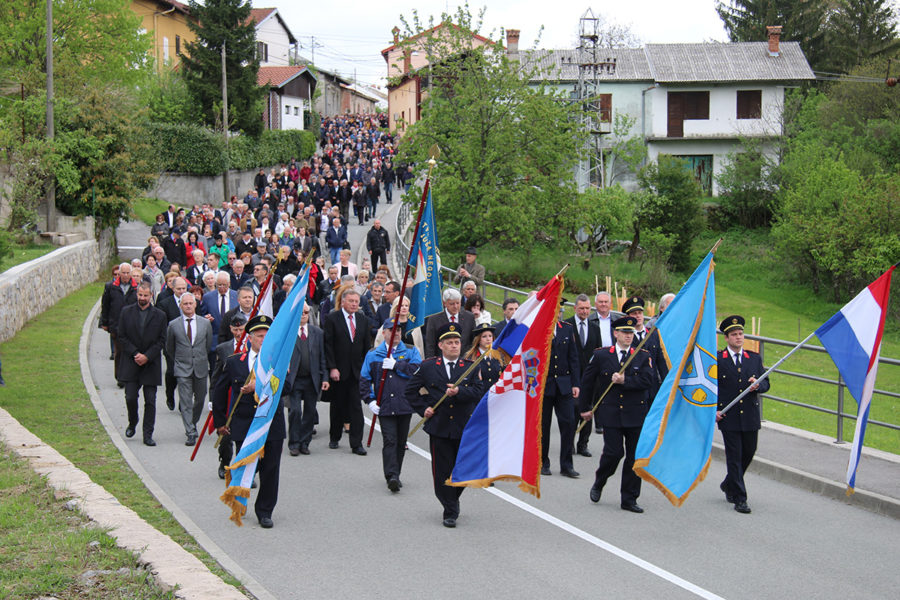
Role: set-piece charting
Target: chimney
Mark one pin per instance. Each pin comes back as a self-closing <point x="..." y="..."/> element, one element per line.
<point x="774" y="33"/>
<point x="407" y="62"/>
<point x="396" y="32"/>
<point x="512" y="42"/>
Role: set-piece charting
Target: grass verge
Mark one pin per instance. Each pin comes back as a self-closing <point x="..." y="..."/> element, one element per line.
<point x="146" y="209"/>
<point x="22" y="254"/>
<point x="47" y="550"/>
<point x="47" y="396"/>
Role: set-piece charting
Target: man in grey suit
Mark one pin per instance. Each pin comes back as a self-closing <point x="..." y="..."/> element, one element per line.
<point x="307" y="375"/>
<point x="187" y="341"/>
<point x="451" y="314"/>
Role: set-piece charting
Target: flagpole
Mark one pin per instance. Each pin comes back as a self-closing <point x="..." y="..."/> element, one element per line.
<point x="444" y="397"/>
<point x="752" y="388"/>
<point x="433" y="153"/>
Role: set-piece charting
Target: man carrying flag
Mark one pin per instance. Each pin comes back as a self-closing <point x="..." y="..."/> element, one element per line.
<point x="738" y="369"/>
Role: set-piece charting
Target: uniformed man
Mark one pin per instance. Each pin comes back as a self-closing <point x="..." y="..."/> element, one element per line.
<point x="622" y="410"/>
<point x="435" y="377"/>
<point x="634" y="307"/>
<point x="738" y="368"/>
<point x="561" y="393"/>
<point x="234" y="375"/>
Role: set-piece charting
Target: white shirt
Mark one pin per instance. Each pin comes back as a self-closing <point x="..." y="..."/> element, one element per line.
<point x="302" y="331"/>
<point x="449" y="319"/>
<point x="579" y="323"/>
<point x="447" y="362"/>
<point x="227" y="303"/>
<point x="605" y="324"/>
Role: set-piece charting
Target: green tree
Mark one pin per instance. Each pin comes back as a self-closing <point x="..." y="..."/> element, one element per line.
<point x="167" y="98"/>
<point x="224" y="22"/>
<point x="509" y="149"/>
<point x="804" y="22"/>
<point x="860" y="30"/>
<point x="669" y="211"/>
<point x="747" y="184"/>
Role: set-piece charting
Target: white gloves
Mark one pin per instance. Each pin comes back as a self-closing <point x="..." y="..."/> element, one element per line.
<point x="388" y="363"/>
<point x="373" y="406"/>
<point x="209" y="405"/>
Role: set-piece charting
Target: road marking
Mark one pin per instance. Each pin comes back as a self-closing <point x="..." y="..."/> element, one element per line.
<point x="587" y="537"/>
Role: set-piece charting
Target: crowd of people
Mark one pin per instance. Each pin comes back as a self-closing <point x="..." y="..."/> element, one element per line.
<point x="183" y="316"/>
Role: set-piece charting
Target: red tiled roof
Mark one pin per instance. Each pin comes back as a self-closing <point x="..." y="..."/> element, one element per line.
<point x="258" y="14"/>
<point x="432" y="30"/>
<point x="277" y="76"/>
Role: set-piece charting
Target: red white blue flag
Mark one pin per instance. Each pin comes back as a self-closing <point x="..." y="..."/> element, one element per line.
<point x="853" y="340"/>
<point x="502" y="440"/>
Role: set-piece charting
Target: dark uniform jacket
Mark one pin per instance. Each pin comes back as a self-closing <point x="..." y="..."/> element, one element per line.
<point x="564" y="371"/>
<point x="317" y="370"/>
<point x="745" y="415"/>
<point x="148" y="342"/>
<point x="427" y="386"/>
<point x="393" y="397"/>
<point x="659" y="366"/>
<point x="232" y="378"/>
<point x="626" y="404"/>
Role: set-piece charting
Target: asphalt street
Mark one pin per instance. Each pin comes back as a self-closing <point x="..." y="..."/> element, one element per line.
<point x="339" y="531"/>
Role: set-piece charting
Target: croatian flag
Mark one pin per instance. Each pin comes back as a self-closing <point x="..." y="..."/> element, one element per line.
<point x="853" y="340"/>
<point x="269" y="370"/>
<point x="265" y="298"/>
<point x="502" y="440"/>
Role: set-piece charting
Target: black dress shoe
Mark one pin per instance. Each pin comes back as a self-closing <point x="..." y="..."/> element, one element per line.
<point x="295" y="451"/>
<point x="595" y="493"/>
<point x="360" y="451"/>
<point x="632" y="507"/>
<point x="728" y="496"/>
<point x="450" y="522"/>
<point x="266" y="522"/>
<point x="599" y="430"/>
<point x="148" y="441"/>
<point x="120" y="384"/>
<point x="583" y="451"/>
<point x="191" y="440"/>
<point x="304" y="450"/>
<point x="221" y="471"/>
<point x="742" y="508"/>
<point x="332" y="445"/>
<point x="546" y="471"/>
<point x="571" y="473"/>
<point x="129" y="431"/>
<point x="254" y="485"/>
<point x="170" y="404"/>
<point x="393" y="484"/>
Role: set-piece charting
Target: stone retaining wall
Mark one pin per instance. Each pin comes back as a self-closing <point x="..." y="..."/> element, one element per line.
<point x="29" y="289"/>
<point x="187" y="190"/>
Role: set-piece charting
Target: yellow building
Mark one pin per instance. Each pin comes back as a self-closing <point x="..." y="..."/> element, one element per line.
<point x="167" y="22"/>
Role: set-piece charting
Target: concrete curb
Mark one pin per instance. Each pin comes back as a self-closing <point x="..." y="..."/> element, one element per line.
<point x="871" y="501"/>
<point x="169" y="564"/>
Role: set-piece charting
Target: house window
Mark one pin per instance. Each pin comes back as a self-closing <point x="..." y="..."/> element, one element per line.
<point x="177" y="45"/>
<point x="684" y="106"/>
<point x="165" y="50"/>
<point x="296" y="111"/>
<point x="287" y="109"/>
<point x="262" y="51"/>
<point x="749" y="104"/>
<point x="604" y="107"/>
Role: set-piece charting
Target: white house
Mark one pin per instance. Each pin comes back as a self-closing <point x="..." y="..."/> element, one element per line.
<point x="276" y="46"/>
<point x="694" y="101"/>
<point x="289" y="96"/>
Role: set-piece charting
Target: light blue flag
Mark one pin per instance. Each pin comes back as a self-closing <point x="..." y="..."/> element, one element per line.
<point x="270" y="369"/>
<point x="674" y="449"/>
<point x="425" y="296"/>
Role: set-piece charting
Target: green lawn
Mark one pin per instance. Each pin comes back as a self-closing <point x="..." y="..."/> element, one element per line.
<point x="146" y="209"/>
<point x="748" y="282"/>
<point x="23" y="254"/>
<point x="53" y="404"/>
<point x="46" y="550"/>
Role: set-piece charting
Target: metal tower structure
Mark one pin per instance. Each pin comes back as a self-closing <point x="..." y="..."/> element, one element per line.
<point x="587" y="92"/>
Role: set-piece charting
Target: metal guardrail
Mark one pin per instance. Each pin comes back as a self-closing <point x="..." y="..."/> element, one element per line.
<point x="404" y="216"/>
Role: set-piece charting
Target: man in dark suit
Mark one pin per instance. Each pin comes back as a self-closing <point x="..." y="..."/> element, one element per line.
<point x="510" y="306"/>
<point x="451" y="314"/>
<point x="238" y="275"/>
<point x="560" y="393"/>
<point x="175" y="249"/>
<point x="307" y="375"/>
<point x="241" y="401"/>
<point x="391" y="291"/>
<point x="335" y="238"/>
<point x="738" y="369"/>
<point x="169" y="305"/>
<point x="245" y="299"/>
<point x="348" y="336"/>
<point x="214" y="306"/>
<point x="622" y="411"/>
<point x="142" y="335"/>
<point x="117" y="293"/>
<point x="434" y="378"/>
<point x="603" y="317"/>
<point x="187" y="341"/>
<point x="587" y="334"/>
<point x="224" y="351"/>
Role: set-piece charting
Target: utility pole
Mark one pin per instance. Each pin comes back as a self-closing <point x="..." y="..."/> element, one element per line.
<point x="225" y="121"/>
<point x="51" y="186"/>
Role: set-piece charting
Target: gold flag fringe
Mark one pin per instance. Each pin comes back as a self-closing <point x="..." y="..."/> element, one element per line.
<point x="483" y="483"/>
<point x="232" y="492"/>
<point x="676" y="501"/>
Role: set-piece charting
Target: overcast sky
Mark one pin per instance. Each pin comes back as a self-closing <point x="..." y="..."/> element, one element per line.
<point x="350" y="34"/>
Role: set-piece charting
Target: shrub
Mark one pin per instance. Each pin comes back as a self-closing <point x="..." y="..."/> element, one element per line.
<point x="188" y="149"/>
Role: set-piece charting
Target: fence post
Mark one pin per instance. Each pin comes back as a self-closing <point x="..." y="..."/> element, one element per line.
<point x="840" y="411"/>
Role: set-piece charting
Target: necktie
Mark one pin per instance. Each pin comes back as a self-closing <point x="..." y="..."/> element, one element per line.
<point x="189" y="334"/>
<point x="303" y="333"/>
<point x="623" y="357"/>
<point x="582" y="334"/>
<point x="352" y="328"/>
<point x="221" y="305"/>
<point x="453" y="318"/>
<point x="737" y="359"/>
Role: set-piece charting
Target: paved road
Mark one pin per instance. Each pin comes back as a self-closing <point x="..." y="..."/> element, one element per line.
<point x="339" y="531"/>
